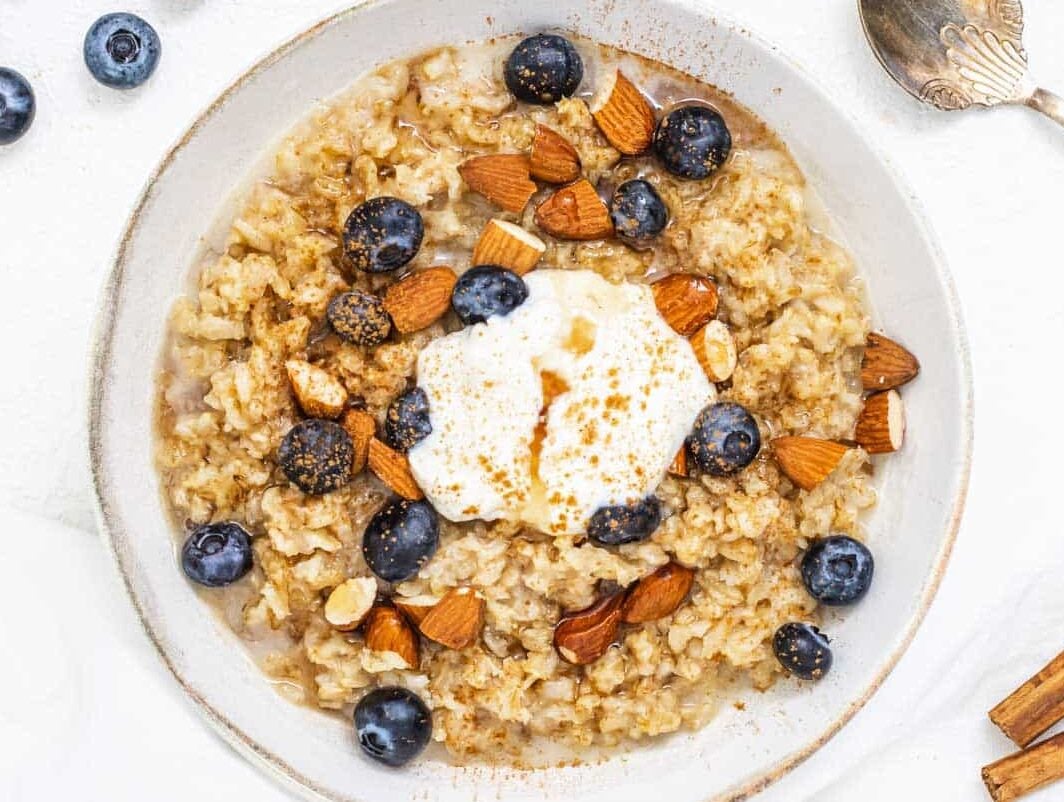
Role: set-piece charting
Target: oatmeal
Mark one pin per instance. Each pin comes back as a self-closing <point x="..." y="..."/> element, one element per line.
<point x="290" y="407"/>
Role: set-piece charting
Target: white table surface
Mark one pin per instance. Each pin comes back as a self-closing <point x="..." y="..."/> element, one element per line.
<point x="87" y="712"/>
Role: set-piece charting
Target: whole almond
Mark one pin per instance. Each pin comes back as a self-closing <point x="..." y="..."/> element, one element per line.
<point x="502" y="178"/>
<point x="456" y="620"/>
<point x="686" y="302"/>
<point x="508" y="245"/>
<point x="583" y="636"/>
<point x="319" y="394"/>
<point x="624" y="115"/>
<point x="350" y="602"/>
<point x="658" y="594"/>
<point x="886" y="364"/>
<point x="575" y="212"/>
<point x="714" y="348"/>
<point x="807" y="461"/>
<point x="881" y="424"/>
<point x="386" y="630"/>
<point x="360" y="426"/>
<point x="393" y="468"/>
<point x="420" y="299"/>
<point x="553" y="158"/>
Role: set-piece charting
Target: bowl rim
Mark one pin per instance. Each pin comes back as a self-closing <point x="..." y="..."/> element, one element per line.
<point x="112" y="534"/>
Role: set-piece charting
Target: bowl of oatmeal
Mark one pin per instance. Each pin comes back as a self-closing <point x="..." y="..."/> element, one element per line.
<point x="567" y="401"/>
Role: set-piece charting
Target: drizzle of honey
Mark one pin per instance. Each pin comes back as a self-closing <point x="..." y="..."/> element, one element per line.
<point x="581" y="337"/>
<point x="553" y="386"/>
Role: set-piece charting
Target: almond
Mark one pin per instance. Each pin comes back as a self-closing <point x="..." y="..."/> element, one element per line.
<point x="393" y="468"/>
<point x="575" y="212"/>
<point x="508" y="245"/>
<point x="679" y="463"/>
<point x="624" y="115"/>
<point x="807" y="461"/>
<point x="387" y="631"/>
<point x="658" y="594"/>
<point x="886" y="364"/>
<point x="584" y="636"/>
<point x="416" y="607"/>
<point x="553" y="158"/>
<point x="420" y="299"/>
<point x="881" y="424"/>
<point x="349" y="602"/>
<point x="319" y="394"/>
<point x="714" y="348"/>
<point x="456" y="620"/>
<point x="361" y="426"/>
<point x="502" y="178"/>
<point x="686" y="302"/>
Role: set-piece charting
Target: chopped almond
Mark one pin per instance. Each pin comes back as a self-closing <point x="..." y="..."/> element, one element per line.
<point x="393" y="468"/>
<point x="420" y="299"/>
<point x="319" y="394"/>
<point x="502" y="178"/>
<point x="575" y="212"/>
<point x="624" y="115"/>
<point x="553" y="158"/>
<point x="881" y="424"/>
<point x="508" y="245"/>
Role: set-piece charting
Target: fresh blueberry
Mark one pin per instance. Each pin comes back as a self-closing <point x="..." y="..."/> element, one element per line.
<point x="317" y="456"/>
<point x="725" y="439"/>
<point x="625" y="523"/>
<point x="692" y="141"/>
<point x="383" y="234"/>
<point x="638" y="212"/>
<point x="837" y="570"/>
<point x="393" y="725"/>
<point x="359" y="318"/>
<point x="401" y="538"/>
<point x="217" y="554"/>
<point x="487" y="290"/>
<point x="121" y="50"/>
<point x="802" y="650"/>
<point x="407" y="422"/>
<point x="543" y="69"/>
<point x="17" y="106"/>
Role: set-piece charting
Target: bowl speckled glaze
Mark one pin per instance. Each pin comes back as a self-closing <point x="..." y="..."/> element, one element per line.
<point x="921" y="489"/>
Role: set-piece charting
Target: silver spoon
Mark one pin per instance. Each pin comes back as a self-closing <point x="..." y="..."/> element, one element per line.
<point x="955" y="54"/>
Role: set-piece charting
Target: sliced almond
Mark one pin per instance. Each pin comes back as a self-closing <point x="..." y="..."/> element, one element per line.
<point x="420" y="299"/>
<point x="387" y="631"/>
<point x="319" y="394"/>
<point x="416" y="607"/>
<point x="886" y="364"/>
<point x="881" y="424"/>
<point x="349" y="602"/>
<point x="553" y="158"/>
<point x="393" y="468"/>
<point x="502" y="178"/>
<point x="361" y="427"/>
<point x="456" y="620"/>
<point x="508" y="245"/>
<point x="679" y="463"/>
<point x="807" y="461"/>
<point x="575" y="212"/>
<point x="686" y="302"/>
<point x="584" y="636"/>
<point x="624" y="115"/>
<point x="658" y="594"/>
<point x="714" y="348"/>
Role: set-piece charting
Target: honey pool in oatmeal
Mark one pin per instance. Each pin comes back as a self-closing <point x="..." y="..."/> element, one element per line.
<point x="297" y="446"/>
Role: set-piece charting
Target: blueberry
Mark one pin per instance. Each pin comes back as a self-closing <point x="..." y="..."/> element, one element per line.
<point x="383" y="234"/>
<point x="638" y="212"/>
<point x="401" y="538"/>
<point x="217" y="554"/>
<point x="802" y="650"/>
<point x="625" y="523"/>
<point x="543" y="69"/>
<point x="837" y="570"/>
<point x="725" y="439"/>
<point x="487" y="290"/>
<point x="407" y="422"/>
<point x="359" y="318"/>
<point x="692" y="141"/>
<point x="17" y="106"/>
<point x="121" y="50"/>
<point x="317" y="456"/>
<point x="393" y="725"/>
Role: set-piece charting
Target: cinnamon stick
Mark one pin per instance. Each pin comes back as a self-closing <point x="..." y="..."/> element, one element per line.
<point x="1025" y="771"/>
<point x="1035" y="706"/>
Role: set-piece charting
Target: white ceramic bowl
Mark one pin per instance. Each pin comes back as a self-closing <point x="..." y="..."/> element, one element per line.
<point x="922" y="488"/>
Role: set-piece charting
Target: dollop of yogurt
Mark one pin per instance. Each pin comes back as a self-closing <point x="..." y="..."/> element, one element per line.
<point x="578" y="399"/>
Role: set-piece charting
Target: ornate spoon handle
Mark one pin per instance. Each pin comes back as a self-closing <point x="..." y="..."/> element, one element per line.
<point x="1052" y="106"/>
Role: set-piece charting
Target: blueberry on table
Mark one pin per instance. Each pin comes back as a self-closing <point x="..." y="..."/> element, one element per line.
<point x="401" y="538"/>
<point x="638" y="212"/>
<point x="692" y="141"/>
<point x="217" y="554"/>
<point x="17" y="105"/>
<point x="625" y="523"/>
<point x="725" y="439"/>
<point x="393" y="725"/>
<point x="383" y="234"/>
<point x="407" y="422"/>
<point x="837" y="570"/>
<point x="802" y="650"/>
<point x="121" y="50"/>
<point x="543" y="69"/>
<point x="317" y="456"/>
<point x="487" y="290"/>
<point x="359" y="318"/>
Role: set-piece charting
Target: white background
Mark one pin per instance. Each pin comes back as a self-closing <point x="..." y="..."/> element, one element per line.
<point x="87" y="712"/>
